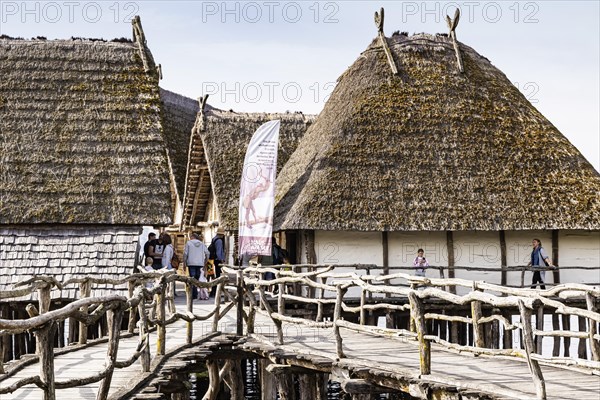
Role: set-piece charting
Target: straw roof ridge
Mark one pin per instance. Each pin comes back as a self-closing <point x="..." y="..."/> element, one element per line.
<point x="81" y="135"/>
<point x="433" y="149"/>
<point x="224" y="138"/>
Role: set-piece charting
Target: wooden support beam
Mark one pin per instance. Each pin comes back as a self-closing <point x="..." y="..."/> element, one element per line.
<point x="268" y="384"/>
<point x="556" y="327"/>
<point x="478" y="330"/>
<point x="556" y="271"/>
<point x="539" y="325"/>
<point x="132" y="311"/>
<point x="566" y="326"/>
<point x="418" y="315"/>
<point x="534" y="368"/>
<point x="450" y="247"/>
<point x="84" y="291"/>
<point x="503" y="259"/>
<point x="214" y="381"/>
<point x="362" y="386"/>
<point x="45" y="350"/>
<point x="593" y="328"/>
<point x="114" y="319"/>
<point x="337" y="313"/>
<point x="581" y="348"/>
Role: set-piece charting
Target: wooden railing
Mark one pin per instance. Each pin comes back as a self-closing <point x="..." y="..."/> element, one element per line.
<point x="330" y="288"/>
<point x="148" y="304"/>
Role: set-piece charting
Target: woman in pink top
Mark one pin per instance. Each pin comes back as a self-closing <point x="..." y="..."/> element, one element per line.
<point x="420" y="263"/>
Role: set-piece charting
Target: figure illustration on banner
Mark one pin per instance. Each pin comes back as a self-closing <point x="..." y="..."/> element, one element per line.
<point x="248" y="202"/>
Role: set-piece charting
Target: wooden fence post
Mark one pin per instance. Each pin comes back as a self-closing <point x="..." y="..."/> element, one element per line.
<point x="160" y="319"/>
<point x="189" y="302"/>
<point x="593" y="329"/>
<point x="534" y="367"/>
<point x="132" y="311"/>
<point x="337" y="314"/>
<point x="215" y="325"/>
<point x="44" y="306"/>
<point x="45" y="343"/>
<point x="84" y="291"/>
<point x="240" y="303"/>
<point x="144" y="335"/>
<point x="363" y="298"/>
<point x="418" y="315"/>
<point x="476" y="315"/>
<point x="114" y="318"/>
<point x="321" y="297"/>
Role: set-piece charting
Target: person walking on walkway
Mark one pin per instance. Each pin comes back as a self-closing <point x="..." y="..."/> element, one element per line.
<point x="539" y="258"/>
<point x="195" y="257"/>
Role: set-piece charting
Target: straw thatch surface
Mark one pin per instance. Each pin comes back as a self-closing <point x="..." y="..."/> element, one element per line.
<point x="80" y="134"/>
<point x="178" y="117"/>
<point x="225" y="137"/>
<point x="433" y="149"/>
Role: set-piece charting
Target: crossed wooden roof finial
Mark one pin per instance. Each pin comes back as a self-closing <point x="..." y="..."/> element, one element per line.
<point x="379" y="16"/>
<point x="452" y="24"/>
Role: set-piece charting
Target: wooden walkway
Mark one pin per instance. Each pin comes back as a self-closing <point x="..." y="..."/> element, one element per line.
<point x="85" y="362"/>
<point x="386" y="359"/>
<point x="377" y="359"/>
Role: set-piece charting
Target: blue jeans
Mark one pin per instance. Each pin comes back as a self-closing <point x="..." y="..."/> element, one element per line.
<point x="195" y="271"/>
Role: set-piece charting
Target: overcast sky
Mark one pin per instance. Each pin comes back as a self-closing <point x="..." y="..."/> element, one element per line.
<point x="286" y="55"/>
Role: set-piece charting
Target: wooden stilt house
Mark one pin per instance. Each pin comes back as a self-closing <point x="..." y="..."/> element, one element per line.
<point x="425" y="144"/>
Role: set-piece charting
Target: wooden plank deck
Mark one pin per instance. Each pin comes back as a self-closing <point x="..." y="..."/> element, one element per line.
<point x="507" y="378"/>
<point x="366" y="354"/>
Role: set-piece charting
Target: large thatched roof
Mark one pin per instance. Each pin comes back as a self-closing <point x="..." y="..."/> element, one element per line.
<point x="81" y="134"/>
<point x="223" y="136"/>
<point x="433" y="149"/>
<point x="178" y="117"/>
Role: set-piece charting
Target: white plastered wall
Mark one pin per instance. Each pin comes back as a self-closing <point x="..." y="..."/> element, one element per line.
<point x="579" y="248"/>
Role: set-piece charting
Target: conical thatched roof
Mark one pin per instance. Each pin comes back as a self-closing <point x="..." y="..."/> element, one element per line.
<point x="223" y="136"/>
<point x="433" y="149"/>
<point x="81" y="134"/>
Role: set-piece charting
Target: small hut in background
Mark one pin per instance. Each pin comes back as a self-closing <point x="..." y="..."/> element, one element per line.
<point x="218" y="145"/>
<point x="425" y="144"/>
<point x="83" y="164"/>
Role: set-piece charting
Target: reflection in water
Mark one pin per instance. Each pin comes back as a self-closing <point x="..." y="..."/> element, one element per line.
<point x="250" y="373"/>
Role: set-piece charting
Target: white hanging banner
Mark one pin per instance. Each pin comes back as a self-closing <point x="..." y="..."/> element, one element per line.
<point x="257" y="191"/>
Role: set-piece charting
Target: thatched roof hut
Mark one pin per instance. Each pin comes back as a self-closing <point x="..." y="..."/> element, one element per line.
<point x="433" y="149"/>
<point x="178" y="118"/>
<point x="83" y="162"/>
<point x="218" y="145"/>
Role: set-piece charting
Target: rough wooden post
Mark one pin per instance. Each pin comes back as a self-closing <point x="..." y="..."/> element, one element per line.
<point x="337" y="314"/>
<point x="555" y="327"/>
<point x="593" y="329"/>
<point x="280" y="299"/>
<point x="450" y="247"/>
<point x="539" y="325"/>
<point x="418" y="315"/>
<point x="308" y="386"/>
<point x="320" y="304"/>
<point x="503" y="259"/>
<point x="363" y="299"/>
<point x="214" y="383"/>
<point x="251" y="312"/>
<point x="144" y="335"/>
<point x="534" y="367"/>
<point x="45" y="346"/>
<point x="566" y="326"/>
<point x="268" y="384"/>
<point x="114" y="318"/>
<point x="189" y="303"/>
<point x="476" y="315"/>
<point x="215" y="325"/>
<point x="160" y="319"/>
<point x="581" y="348"/>
<point x="285" y="386"/>
<point x="236" y="380"/>
<point x="240" y="302"/>
<point x="132" y="311"/>
<point x="44" y="306"/>
<point x="84" y="291"/>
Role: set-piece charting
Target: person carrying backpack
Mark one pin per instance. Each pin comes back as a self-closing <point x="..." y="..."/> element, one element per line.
<point x="216" y="252"/>
<point x="539" y="258"/>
